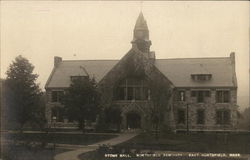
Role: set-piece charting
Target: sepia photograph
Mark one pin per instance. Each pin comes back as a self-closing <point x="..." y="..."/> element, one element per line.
<point x="125" y="80"/>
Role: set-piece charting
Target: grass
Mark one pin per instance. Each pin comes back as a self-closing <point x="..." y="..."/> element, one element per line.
<point x="200" y="142"/>
<point x="20" y="152"/>
<point x="62" y="138"/>
<point x="92" y="156"/>
<point x="28" y="146"/>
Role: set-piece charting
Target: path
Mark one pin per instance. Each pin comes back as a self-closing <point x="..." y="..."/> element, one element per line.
<point x="73" y="155"/>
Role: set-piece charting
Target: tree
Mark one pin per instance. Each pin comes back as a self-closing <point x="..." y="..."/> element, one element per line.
<point x="113" y="116"/>
<point x="160" y="96"/>
<point x="23" y="95"/>
<point x="244" y="119"/>
<point x="82" y="100"/>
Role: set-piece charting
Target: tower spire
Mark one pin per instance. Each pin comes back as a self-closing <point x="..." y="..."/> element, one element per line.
<point x="141" y="5"/>
<point x="141" y="34"/>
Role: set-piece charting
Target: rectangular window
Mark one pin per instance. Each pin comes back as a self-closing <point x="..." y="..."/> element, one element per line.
<point x="120" y="93"/>
<point x="75" y="78"/>
<point x="137" y="93"/>
<point x="145" y="93"/>
<point x="222" y="96"/>
<point x="56" y="96"/>
<point x="222" y="117"/>
<point x="181" y="96"/>
<point x="201" y="77"/>
<point x="130" y="93"/>
<point x="200" y="96"/>
<point x="193" y="93"/>
<point x="200" y="116"/>
<point x="181" y="117"/>
<point x="207" y="93"/>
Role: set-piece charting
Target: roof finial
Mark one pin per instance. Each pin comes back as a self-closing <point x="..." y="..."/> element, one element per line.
<point x="141" y="6"/>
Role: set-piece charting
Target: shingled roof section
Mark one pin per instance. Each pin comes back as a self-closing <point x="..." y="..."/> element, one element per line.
<point x="178" y="71"/>
<point x="60" y="76"/>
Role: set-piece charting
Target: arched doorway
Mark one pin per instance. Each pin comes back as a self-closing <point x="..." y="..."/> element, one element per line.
<point x="133" y="120"/>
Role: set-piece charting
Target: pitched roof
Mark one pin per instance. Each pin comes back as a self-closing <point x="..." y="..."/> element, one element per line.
<point x="60" y="76"/>
<point x="178" y="71"/>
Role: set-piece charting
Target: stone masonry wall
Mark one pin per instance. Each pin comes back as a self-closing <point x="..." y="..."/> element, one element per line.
<point x="210" y="106"/>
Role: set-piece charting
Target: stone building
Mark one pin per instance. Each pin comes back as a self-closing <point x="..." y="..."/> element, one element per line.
<point x="189" y="93"/>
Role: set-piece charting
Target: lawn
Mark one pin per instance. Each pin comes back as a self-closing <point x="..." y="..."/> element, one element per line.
<point x="62" y="138"/>
<point x="21" y="152"/>
<point x="93" y="156"/>
<point x="199" y="142"/>
<point x="29" y="146"/>
<point x="181" y="142"/>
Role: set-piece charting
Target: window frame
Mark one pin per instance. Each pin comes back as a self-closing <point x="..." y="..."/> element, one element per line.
<point x="224" y="98"/>
<point x="181" y="119"/>
<point x="58" y="96"/>
<point x="181" y="98"/>
<point x="220" y="116"/>
<point x="204" y="93"/>
<point x="73" y="78"/>
<point x="135" y="90"/>
<point x="198" y="116"/>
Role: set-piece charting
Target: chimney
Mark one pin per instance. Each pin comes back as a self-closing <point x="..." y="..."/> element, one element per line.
<point x="57" y="61"/>
<point x="232" y="57"/>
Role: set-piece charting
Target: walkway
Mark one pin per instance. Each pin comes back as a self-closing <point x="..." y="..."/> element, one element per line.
<point x="73" y="155"/>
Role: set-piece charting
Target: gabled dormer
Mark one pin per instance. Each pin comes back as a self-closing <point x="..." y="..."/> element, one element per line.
<point x="201" y="74"/>
<point x="201" y="77"/>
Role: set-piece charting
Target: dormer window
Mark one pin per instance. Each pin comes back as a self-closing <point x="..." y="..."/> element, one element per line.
<point x="201" y="77"/>
<point x="73" y="78"/>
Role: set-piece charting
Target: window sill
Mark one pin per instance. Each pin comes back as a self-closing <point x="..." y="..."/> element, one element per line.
<point x="131" y="100"/>
<point x="224" y="125"/>
<point x="181" y="124"/>
<point x="55" y="103"/>
<point x="222" y="102"/>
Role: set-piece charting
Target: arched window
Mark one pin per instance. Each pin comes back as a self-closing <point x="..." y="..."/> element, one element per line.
<point x="132" y="89"/>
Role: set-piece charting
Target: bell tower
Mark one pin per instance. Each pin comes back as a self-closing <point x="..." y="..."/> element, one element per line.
<point x="141" y="35"/>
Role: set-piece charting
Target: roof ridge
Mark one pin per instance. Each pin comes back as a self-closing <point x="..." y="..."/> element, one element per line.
<point x="91" y="60"/>
<point x="195" y="58"/>
<point x="156" y="59"/>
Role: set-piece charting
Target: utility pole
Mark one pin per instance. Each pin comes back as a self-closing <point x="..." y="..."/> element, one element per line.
<point x="187" y="119"/>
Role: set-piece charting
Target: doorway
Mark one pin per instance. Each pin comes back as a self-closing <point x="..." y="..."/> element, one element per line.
<point x="133" y="120"/>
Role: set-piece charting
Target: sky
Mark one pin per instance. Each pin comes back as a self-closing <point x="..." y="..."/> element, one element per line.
<point x="83" y="30"/>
